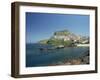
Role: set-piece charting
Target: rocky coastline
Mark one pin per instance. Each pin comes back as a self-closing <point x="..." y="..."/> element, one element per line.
<point x="79" y="61"/>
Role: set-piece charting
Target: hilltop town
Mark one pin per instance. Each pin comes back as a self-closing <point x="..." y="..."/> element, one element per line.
<point x="66" y="38"/>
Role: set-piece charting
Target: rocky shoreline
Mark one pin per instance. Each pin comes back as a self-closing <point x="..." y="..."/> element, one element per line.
<point x="82" y="60"/>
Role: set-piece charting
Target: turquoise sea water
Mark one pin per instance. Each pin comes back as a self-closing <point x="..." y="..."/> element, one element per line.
<point x="36" y="57"/>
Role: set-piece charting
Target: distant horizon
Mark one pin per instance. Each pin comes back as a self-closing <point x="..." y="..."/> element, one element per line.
<point x="40" y="26"/>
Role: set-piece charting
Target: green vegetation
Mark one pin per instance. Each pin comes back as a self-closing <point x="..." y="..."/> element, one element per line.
<point x="57" y="42"/>
<point x="43" y="41"/>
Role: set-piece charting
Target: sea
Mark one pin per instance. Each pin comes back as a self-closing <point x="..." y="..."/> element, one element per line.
<point x="35" y="57"/>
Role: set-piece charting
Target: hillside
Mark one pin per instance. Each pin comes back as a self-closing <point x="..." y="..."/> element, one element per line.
<point x="65" y="38"/>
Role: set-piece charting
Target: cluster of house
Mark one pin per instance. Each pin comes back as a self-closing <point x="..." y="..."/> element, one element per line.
<point x="73" y="37"/>
<point x="68" y="37"/>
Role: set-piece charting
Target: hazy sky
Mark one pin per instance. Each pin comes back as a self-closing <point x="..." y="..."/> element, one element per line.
<point x="41" y="26"/>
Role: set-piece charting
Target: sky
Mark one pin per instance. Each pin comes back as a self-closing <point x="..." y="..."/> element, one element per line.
<point x="41" y="26"/>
